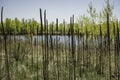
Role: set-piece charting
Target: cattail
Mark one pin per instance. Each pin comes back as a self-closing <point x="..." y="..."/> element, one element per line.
<point x="117" y="51"/>
<point x="5" y="43"/>
<point x="45" y="21"/>
<point x="73" y="46"/>
<point x="41" y="24"/>
<point x="69" y="56"/>
<point x="37" y="56"/>
<point x="79" y="56"/>
<point x="51" y="40"/>
<point x="108" y="40"/>
<point x="83" y="52"/>
<point x="44" y="61"/>
<point x="101" y="53"/>
<point x="115" y="47"/>
<point x="57" y="25"/>
<point x="87" y="47"/>
<point x="31" y="40"/>
<point x="64" y="26"/>
<point x="65" y="43"/>
<point x="47" y="50"/>
<point x="57" y="49"/>
<point x="45" y="67"/>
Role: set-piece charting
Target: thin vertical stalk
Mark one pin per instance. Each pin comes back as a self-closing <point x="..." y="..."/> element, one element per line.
<point x="42" y="51"/>
<point x="73" y="46"/>
<point x="83" y="52"/>
<point x="46" y="54"/>
<point x="108" y="40"/>
<point x="79" y="56"/>
<point x="44" y="67"/>
<point x="41" y="22"/>
<point x="69" y="77"/>
<point x="115" y="47"/>
<point x="31" y="40"/>
<point x="64" y="26"/>
<point x="5" y="43"/>
<point x="37" y="56"/>
<point x="57" y="49"/>
<point x="117" y="51"/>
<point x="87" y="54"/>
<point x="47" y="50"/>
<point x="101" y="54"/>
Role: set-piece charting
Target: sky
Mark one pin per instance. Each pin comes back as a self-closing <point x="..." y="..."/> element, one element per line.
<point x="61" y="9"/>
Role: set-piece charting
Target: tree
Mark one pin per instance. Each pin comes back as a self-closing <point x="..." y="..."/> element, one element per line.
<point x="17" y="25"/>
<point x="7" y="25"/>
<point x="107" y="9"/>
<point x="83" y="22"/>
<point x="92" y="12"/>
<point x="76" y="27"/>
<point x="60" y="28"/>
<point x="93" y="15"/>
<point x="51" y="27"/>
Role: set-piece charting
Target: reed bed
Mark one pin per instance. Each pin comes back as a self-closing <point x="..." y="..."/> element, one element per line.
<point x="74" y="56"/>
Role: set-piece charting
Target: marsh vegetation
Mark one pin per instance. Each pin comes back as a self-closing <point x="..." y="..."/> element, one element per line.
<point x="83" y="50"/>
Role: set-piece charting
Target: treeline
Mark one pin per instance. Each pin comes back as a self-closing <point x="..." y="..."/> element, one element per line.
<point x="25" y="26"/>
<point x="17" y="26"/>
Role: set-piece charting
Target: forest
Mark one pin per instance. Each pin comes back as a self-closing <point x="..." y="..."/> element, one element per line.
<point x="88" y="49"/>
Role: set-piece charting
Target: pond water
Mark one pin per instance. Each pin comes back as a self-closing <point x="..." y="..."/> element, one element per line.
<point x="59" y="38"/>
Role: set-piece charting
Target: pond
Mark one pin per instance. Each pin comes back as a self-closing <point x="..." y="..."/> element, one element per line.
<point x="59" y="38"/>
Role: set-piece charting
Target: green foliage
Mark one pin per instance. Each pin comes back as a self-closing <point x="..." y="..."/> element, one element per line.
<point x="60" y="28"/>
<point x="91" y="22"/>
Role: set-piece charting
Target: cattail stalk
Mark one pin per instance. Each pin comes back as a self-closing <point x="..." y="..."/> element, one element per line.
<point x="117" y="51"/>
<point x="46" y="54"/>
<point x="108" y="40"/>
<point x="37" y="56"/>
<point x="115" y="47"/>
<point x="69" y="56"/>
<point x="73" y="46"/>
<point x="101" y="53"/>
<point x="57" y="50"/>
<point x="31" y="40"/>
<point x="5" y="43"/>
<point x="87" y="54"/>
<point x="42" y="51"/>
